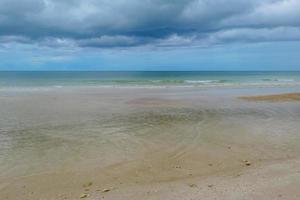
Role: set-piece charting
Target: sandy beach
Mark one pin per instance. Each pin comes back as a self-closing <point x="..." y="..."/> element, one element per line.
<point x="153" y="143"/>
<point x="276" y="97"/>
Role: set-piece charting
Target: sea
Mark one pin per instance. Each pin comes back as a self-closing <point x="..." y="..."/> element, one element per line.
<point x="20" y="79"/>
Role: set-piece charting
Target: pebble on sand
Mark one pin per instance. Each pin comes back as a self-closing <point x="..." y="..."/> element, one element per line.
<point x="247" y="163"/>
<point x="105" y="190"/>
<point x="82" y="196"/>
<point x="193" y="185"/>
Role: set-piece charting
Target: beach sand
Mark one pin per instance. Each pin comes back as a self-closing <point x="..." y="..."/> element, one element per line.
<point x="155" y="143"/>
<point x="276" y="97"/>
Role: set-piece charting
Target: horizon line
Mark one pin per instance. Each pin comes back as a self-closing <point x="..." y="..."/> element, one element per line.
<point x="149" y="70"/>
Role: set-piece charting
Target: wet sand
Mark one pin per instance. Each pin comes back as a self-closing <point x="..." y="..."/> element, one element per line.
<point x="166" y="143"/>
<point x="276" y="97"/>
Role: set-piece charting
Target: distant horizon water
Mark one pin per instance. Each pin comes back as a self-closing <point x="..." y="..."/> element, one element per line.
<point x="148" y="78"/>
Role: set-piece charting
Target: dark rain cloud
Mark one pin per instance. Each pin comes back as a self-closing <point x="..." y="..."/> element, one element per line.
<point x="161" y="23"/>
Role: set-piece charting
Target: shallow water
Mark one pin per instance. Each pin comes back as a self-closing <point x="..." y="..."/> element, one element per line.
<point x="88" y="128"/>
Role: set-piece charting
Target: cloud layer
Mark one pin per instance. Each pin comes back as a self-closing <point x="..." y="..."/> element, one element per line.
<point x="155" y="23"/>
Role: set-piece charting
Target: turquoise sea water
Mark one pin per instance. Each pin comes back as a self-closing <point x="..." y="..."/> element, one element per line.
<point x="151" y="78"/>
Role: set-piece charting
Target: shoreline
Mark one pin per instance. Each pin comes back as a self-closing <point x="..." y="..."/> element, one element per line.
<point x="133" y="86"/>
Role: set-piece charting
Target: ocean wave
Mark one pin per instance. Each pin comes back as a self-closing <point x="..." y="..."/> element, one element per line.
<point x="278" y="80"/>
<point x="206" y="81"/>
<point x="170" y="81"/>
<point x="201" y="81"/>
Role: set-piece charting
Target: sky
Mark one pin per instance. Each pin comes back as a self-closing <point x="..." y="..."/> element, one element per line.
<point x="149" y="35"/>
